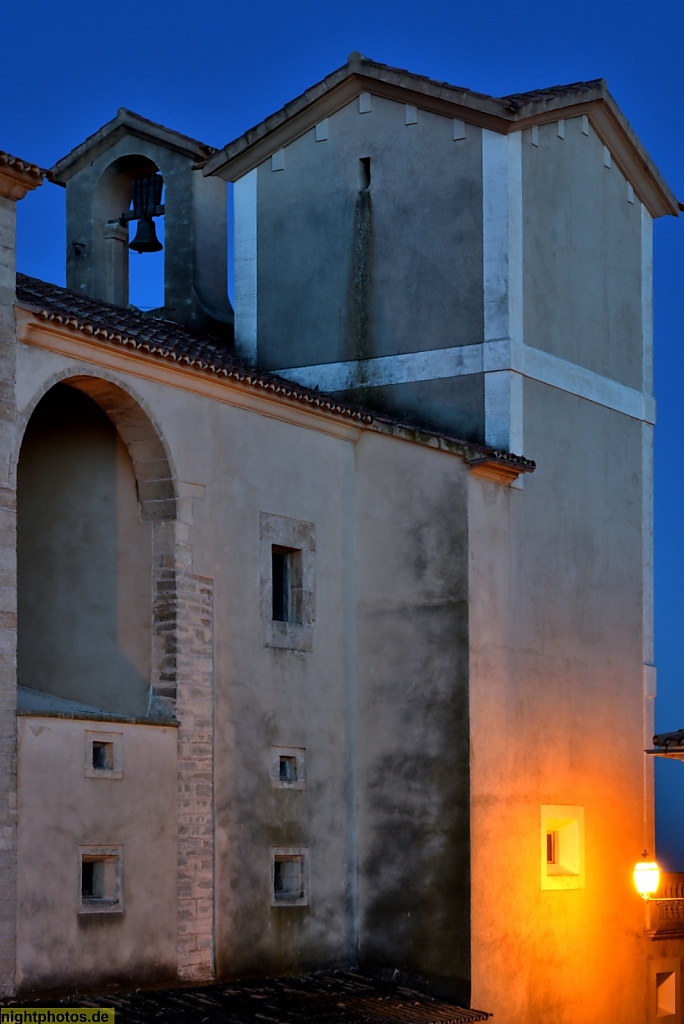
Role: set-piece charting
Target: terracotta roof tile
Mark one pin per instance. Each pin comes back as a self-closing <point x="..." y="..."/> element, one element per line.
<point x="22" y="166"/>
<point x="167" y="340"/>
<point x="330" y="997"/>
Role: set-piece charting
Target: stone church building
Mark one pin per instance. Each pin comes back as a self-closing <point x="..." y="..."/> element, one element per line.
<point x="326" y="621"/>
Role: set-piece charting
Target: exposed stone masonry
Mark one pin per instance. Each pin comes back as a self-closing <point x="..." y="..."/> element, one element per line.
<point x="194" y="709"/>
<point x="8" y="606"/>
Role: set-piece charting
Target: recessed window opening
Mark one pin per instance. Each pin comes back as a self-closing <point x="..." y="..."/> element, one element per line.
<point x="101" y="881"/>
<point x="280" y="558"/>
<point x="364" y="173"/>
<point x="92" y="880"/>
<point x="103" y="756"/>
<point x="288" y="878"/>
<point x="288" y="768"/>
<point x="286" y="577"/>
<point x="562" y="847"/>
<point x="666" y="994"/>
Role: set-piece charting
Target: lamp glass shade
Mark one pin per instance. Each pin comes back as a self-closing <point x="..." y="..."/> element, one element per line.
<point x="646" y="878"/>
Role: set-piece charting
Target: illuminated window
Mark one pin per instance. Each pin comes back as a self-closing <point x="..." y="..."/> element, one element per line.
<point x="666" y="1005"/>
<point x="562" y="846"/>
<point x="665" y="998"/>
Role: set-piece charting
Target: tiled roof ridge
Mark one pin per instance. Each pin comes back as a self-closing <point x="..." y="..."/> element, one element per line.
<point x="167" y="340"/>
<point x="357" y="60"/>
<point x="98" y="138"/>
<point x="23" y="166"/>
<point x="209" y="150"/>
<point x="517" y="100"/>
<point x="505" y="107"/>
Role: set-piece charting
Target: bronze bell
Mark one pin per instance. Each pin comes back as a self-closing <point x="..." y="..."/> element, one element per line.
<point x="146" y="237"/>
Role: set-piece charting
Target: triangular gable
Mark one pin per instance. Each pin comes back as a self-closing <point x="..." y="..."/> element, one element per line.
<point x="127" y="123"/>
<point x="500" y="114"/>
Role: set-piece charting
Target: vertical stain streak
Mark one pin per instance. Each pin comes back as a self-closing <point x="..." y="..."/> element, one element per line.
<point x="361" y="283"/>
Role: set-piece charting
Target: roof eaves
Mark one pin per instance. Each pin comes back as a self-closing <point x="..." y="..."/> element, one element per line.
<point x="482" y="460"/>
<point x="335" y="91"/>
<point x="612" y="127"/>
<point x="17" y="177"/>
<point x="501" y="114"/>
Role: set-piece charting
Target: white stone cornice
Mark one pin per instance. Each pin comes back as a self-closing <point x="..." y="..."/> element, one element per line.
<point x="492" y="357"/>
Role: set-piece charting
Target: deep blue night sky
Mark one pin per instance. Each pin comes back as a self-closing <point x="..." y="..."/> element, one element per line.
<point x="212" y="70"/>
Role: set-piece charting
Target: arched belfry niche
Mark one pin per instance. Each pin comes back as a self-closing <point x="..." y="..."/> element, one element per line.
<point x="114" y="208"/>
<point x="96" y="516"/>
<point x="98" y="176"/>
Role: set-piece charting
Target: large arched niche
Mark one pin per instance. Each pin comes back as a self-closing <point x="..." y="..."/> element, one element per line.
<point x="96" y="502"/>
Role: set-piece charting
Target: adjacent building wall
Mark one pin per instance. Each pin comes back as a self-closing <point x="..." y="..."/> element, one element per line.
<point x="62" y="810"/>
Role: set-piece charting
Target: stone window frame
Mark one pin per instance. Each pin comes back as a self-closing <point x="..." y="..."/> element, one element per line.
<point x="299" y="537"/>
<point x="113" y="903"/>
<point x="93" y="736"/>
<point x="290" y="853"/>
<point x="299" y="755"/>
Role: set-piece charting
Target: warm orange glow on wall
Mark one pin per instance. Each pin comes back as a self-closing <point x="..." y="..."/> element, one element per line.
<point x="646" y="878"/>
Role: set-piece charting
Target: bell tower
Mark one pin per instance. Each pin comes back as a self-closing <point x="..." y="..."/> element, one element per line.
<point x="126" y="177"/>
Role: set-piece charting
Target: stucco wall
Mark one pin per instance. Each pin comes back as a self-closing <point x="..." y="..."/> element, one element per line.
<point x="582" y="253"/>
<point x="424" y="241"/>
<point x="557" y="701"/>
<point x="412" y="743"/>
<point x="61" y="810"/>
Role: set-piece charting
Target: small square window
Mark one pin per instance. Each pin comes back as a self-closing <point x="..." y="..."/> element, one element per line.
<point x="288" y="767"/>
<point x="103" y="755"/>
<point x="101" y="879"/>
<point x="289" y="878"/>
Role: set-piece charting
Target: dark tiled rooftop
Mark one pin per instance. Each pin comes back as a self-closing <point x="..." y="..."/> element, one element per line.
<point x="165" y="339"/>
<point x="578" y="90"/>
<point x="669" y="739"/>
<point x="332" y="997"/>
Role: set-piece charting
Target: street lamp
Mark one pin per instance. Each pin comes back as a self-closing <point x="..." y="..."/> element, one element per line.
<point x="647" y="879"/>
